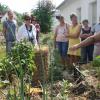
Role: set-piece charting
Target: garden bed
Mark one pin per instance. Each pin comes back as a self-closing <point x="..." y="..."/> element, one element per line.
<point x="50" y="81"/>
<point x="41" y="61"/>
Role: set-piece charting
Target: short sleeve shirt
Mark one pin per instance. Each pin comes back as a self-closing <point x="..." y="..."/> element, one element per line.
<point x="61" y="36"/>
<point x="95" y="30"/>
<point x="10" y="30"/>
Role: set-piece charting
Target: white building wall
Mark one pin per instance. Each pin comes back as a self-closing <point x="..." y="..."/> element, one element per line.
<point x="69" y="8"/>
<point x="86" y="10"/>
<point x="98" y="9"/>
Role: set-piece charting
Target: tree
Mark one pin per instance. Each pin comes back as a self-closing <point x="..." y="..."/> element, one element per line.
<point x="19" y="18"/>
<point x="3" y="8"/>
<point x="43" y="13"/>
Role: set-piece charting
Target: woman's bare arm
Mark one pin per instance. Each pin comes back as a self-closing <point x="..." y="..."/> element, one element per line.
<point x="88" y="41"/>
<point x="97" y="37"/>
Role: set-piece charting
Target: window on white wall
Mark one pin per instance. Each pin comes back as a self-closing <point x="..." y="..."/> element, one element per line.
<point x="93" y="13"/>
<point x="79" y="14"/>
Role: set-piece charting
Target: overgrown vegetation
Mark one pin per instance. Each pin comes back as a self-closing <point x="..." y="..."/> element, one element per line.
<point x="55" y="65"/>
<point x="23" y="52"/>
<point x="96" y="65"/>
<point x="19" y="63"/>
<point x="45" y="39"/>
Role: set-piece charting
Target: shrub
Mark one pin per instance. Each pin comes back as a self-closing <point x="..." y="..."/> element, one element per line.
<point x="55" y="64"/>
<point x="21" y="55"/>
<point x="96" y="65"/>
<point x="19" y="62"/>
<point x="96" y="62"/>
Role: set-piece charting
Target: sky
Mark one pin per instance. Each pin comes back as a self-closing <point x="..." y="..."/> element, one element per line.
<point x="22" y="6"/>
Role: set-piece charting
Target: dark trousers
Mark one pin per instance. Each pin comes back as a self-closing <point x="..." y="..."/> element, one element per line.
<point x="37" y="36"/>
<point x="87" y="53"/>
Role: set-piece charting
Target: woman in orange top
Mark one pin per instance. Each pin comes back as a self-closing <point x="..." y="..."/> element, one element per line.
<point x="74" y="34"/>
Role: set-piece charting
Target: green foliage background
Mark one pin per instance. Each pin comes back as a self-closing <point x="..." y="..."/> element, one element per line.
<point x="43" y="13"/>
<point x="19" y="60"/>
<point x="19" y="18"/>
<point x="3" y="8"/>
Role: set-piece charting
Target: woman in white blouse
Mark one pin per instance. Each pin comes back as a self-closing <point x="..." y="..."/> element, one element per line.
<point x="27" y="31"/>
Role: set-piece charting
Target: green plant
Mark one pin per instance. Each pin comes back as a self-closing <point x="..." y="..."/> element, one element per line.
<point x="64" y="90"/>
<point x="1" y="27"/>
<point x="6" y="67"/>
<point x="3" y="8"/>
<point x="56" y="65"/>
<point x="98" y="86"/>
<point x="45" y="38"/>
<point x="22" y="55"/>
<point x="55" y="69"/>
<point x="96" y="62"/>
<point x="20" y="62"/>
<point x="2" y="51"/>
<point x="19" y="18"/>
<point x="43" y="13"/>
<point x="96" y="65"/>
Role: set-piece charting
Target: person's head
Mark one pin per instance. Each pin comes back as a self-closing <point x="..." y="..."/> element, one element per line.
<point x="33" y="19"/>
<point x="85" y="23"/>
<point x="27" y="19"/>
<point x="10" y="15"/>
<point x="73" y="18"/>
<point x="60" y="19"/>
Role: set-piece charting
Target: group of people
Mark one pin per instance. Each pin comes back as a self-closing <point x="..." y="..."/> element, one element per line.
<point x="29" y="30"/>
<point x="69" y="38"/>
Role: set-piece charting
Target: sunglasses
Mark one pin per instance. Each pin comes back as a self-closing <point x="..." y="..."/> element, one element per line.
<point x="27" y="19"/>
<point x="33" y="20"/>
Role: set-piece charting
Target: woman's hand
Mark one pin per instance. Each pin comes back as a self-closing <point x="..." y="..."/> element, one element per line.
<point x="75" y="47"/>
<point x="36" y="47"/>
<point x="84" y="36"/>
<point x="67" y="35"/>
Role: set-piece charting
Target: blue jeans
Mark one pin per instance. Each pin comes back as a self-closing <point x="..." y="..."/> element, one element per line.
<point x="62" y="48"/>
